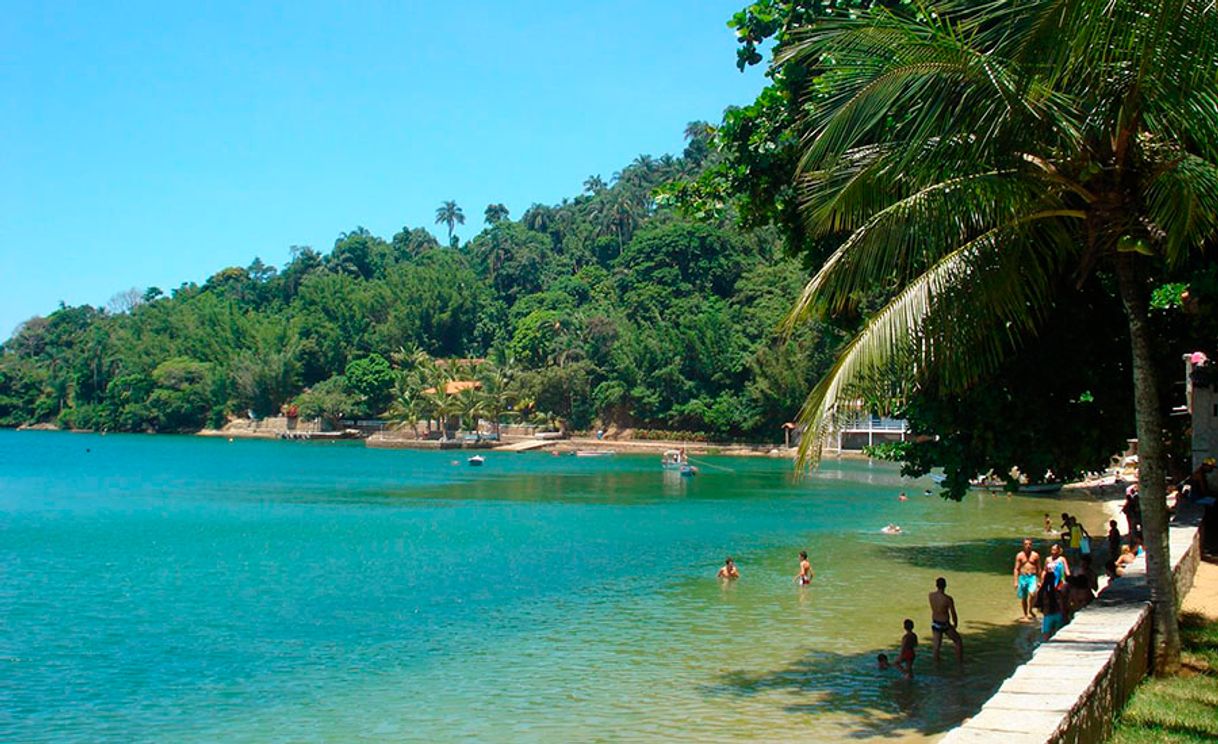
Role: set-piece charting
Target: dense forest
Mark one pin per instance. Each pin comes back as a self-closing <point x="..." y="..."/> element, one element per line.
<point x="609" y="309"/>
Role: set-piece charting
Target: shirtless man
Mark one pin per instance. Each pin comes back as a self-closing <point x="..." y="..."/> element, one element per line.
<point x="729" y="571"/>
<point x="804" y="577"/>
<point x="943" y="620"/>
<point x="1027" y="568"/>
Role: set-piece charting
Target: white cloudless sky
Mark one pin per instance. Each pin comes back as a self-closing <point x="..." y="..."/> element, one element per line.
<point x="152" y="143"/>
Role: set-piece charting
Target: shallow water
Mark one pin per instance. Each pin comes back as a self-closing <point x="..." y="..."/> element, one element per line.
<point x="189" y="589"/>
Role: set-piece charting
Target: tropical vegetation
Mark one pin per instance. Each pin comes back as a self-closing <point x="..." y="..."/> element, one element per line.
<point x="605" y="310"/>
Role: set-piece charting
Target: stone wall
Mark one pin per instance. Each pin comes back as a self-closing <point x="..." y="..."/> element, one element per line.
<point x="1074" y="685"/>
<point x="271" y="427"/>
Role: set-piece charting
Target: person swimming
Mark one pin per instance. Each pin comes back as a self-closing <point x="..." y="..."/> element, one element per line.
<point x="891" y="529"/>
<point x="804" y="577"/>
<point x="729" y="570"/>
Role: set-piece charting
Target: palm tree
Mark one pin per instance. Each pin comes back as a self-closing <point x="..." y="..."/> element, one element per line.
<point x="407" y="408"/>
<point x="695" y="130"/>
<point x="616" y="214"/>
<point x="441" y="405"/>
<point x="667" y="166"/>
<point x="644" y="164"/>
<point x="983" y="157"/>
<point x="470" y="407"/>
<point x="538" y="218"/>
<point x="497" y="391"/>
<point x="448" y="213"/>
<point x="497" y="249"/>
<point x="495" y="213"/>
<point x="594" y="185"/>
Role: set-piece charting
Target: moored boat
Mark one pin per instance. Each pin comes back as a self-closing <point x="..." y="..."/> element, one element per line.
<point x="476" y="460"/>
<point x="671" y="460"/>
<point x="1041" y="488"/>
<point x="990" y="485"/>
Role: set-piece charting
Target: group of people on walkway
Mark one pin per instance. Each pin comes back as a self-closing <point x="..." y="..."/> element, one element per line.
<point x="1057" y="589"/>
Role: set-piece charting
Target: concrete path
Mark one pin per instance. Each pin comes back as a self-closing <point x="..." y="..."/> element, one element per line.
<point x="526" y="445"/>
<point x="1072" y="687"/>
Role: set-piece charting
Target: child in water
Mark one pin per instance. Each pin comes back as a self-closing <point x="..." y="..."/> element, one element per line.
<point x="882" y="662"/>
<point x="909" y="644"/>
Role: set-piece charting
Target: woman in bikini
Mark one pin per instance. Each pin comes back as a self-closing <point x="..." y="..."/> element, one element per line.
<point x="804" y="577"/>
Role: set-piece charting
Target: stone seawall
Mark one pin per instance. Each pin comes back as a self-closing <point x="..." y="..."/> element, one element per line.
<point x="272" y="427"/>
<point x="1074" y="685"/>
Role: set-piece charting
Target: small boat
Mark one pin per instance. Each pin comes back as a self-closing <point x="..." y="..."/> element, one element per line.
<point x="688" y="471"/>
<point x="671" y="460"/>
<point x="989" y="482"/>
<point x="990" y="485"/>
<point x="476" y="460"/>
<point x="1041" y="488"/>
<point x="593" y="453"/>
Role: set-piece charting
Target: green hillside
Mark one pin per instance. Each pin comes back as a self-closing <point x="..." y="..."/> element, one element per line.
<point x="606" y="309"/>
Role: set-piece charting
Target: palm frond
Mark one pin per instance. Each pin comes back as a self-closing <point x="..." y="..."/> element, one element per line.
<point x="953" y="323"/>
<point x="902" y="239"/>
<point x="915" y="82"/>
<point x="1182" y="202"/>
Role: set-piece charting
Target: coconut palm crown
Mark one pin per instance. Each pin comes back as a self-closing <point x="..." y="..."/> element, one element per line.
<point x="983" y="157"/>
<point x="451" y="215"/>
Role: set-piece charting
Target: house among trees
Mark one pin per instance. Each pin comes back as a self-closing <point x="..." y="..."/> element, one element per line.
<point x="859" y="431"/>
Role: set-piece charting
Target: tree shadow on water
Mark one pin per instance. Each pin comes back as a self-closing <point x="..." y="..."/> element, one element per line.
<point x="992" y="555"/>
<point x="849" y="690"/>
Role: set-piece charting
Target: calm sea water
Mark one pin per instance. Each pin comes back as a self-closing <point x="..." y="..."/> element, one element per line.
<point x="187" y="589"/>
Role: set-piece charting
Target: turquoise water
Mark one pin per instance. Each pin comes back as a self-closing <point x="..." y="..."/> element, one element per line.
<point x="189" y="589"/>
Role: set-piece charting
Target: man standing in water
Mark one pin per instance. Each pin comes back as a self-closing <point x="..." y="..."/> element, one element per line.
<point x="729" y="570"/>
<point x="1027" y="568"/>
<point x="943" y="620"/>
<point x="804" y="577"/>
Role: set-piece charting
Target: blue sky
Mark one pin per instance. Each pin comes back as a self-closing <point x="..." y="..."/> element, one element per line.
<point x="149" y="144"/>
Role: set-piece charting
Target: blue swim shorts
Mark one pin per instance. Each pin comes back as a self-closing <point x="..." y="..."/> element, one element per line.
<point x="1050" y="624"/>
<point x="1027" y="586"/>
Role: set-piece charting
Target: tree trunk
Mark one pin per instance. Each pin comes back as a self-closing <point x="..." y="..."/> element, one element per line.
<point x="1151" y="469"/>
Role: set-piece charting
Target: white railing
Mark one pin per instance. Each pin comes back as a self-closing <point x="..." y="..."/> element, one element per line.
<point x="865" y="423"/>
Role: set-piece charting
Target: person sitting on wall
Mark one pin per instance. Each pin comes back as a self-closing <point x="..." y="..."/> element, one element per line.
<point x="1198" y="482"/>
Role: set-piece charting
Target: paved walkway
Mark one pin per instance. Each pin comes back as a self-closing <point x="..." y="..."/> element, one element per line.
<point x="528" y="444"/>
<point x="1075" y="683"/>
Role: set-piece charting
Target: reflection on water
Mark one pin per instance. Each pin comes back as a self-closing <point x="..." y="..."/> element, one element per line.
<point x="166" y="588"/>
